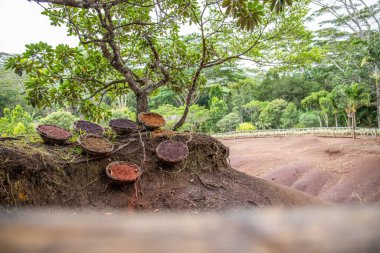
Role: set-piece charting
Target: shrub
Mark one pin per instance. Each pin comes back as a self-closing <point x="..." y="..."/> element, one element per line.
<point x="228" y="123"/>
<point x="308" y="119"/>
<point x="19" y="129"/>
<point x="246" y="126"/>
<point x="16" y="122"/>
<point x="123" y="113"/>
<point x="60" y="118"/>
<point x="271" y="114"/>
<point x="290" y="116"/>
<point x="196" y="117"/>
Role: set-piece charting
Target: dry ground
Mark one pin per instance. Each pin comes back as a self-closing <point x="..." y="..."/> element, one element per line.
<point x="340" y="170"/>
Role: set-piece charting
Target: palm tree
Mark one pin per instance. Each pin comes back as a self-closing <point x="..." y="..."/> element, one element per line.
<point x="357" y="96"/>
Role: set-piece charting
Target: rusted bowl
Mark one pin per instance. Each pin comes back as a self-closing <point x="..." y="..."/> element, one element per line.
<point x="88" y="127"/>
<point x="95" y="145"/>
<point x="53" y="134"/>
<point x="123" y="172"/>
<point x="123" y="126"/>
<point x="172" y="152"/>
<point x="151" y="120"/>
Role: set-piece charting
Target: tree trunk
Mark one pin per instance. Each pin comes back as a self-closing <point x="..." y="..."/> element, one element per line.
<point x="378" y="102"/>
<point x="320" y="121"/>
<point x="182" y="120"/>
<point x="336" y="120"/>
<point x="142" y="102"/>
<point x="353" y="125"/>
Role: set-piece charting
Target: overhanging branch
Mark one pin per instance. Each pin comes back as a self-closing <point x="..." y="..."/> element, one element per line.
<point x="87" y="4"/>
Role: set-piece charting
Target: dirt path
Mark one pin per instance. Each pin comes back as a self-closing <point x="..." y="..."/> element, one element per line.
<point x="339" y="170"/>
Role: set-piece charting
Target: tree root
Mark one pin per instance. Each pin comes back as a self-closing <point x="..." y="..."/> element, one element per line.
<point x="85" y="159"/>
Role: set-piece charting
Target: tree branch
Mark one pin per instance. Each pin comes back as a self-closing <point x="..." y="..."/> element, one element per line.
<point x="87" y="4"/>
<point x="157" y="63"/>
<point x="115" y="58"/>
<point x="107" y="85"/>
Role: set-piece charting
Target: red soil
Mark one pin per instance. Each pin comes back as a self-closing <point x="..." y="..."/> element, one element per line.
<point x="96" y="144"/>
<point x="152" y="119"/>
<point x="88" y="127"/>
<point x="124" y="172"/>
<point x="172" y="151"/>
<point x="340" y="170"/>
<point x="54" y="132"/>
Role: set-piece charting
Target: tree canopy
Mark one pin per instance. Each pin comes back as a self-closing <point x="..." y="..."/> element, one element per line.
<point x="141" y="46"/>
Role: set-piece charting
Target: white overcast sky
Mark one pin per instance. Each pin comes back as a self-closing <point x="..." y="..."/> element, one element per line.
<point x="21" y="23"/>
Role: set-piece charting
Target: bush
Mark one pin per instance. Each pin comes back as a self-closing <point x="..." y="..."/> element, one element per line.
<point x="308" y="119"/>
<point x="271" y="114"/>
<point x="16" y="122"/>
<point x="19" y="129"/>
<point x="290" y="116"/>
<point x="228" y="123"/>
<point x="60" y="118"/>
<point x="246" y="126"/>
<point x="123" y="113"/>
<point x="196" y="117"/>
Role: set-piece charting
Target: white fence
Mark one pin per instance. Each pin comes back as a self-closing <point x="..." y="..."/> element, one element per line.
<point x="320" y="131"/>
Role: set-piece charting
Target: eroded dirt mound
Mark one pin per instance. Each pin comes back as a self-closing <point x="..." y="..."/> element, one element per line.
<point x="340" y="170"/>
<point x="38" y="174"/>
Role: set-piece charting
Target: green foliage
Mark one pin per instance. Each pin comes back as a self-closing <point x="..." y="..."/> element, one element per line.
<point x="252" y="110"/>
<point x="218" y="110"/>
<point x="246" y="126"/>
<point x="249" y="14"/>
<point x="11" y="90"/>
<point x="311" y="102"/>
<point x="197" y="116"/>
<point x="289" y="117"/>
<point x="19" y="129"/>
<point x="357" y="96"/>
<point x="292" y="87"/>
<point x="16" y="122"/>
<point x="123" y="113"/>
<point x="271" y="115"/>
<point x="60" y="118"/>
<point x="308" y="119"/>
<point x="134" y="53"/>
<point x="228" y="123"/>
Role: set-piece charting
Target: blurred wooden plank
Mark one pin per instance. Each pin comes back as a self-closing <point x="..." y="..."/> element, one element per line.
<point x="329" y="230"/>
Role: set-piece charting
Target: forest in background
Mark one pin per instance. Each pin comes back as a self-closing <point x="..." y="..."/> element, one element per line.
<point x="335" y="84"/>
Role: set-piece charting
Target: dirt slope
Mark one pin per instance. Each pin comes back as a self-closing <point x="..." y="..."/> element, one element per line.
<point x="340" y="170"/>
<point x="41" y="175"/>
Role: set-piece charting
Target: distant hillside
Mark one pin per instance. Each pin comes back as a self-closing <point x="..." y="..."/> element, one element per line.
<point x="4" y="57"/>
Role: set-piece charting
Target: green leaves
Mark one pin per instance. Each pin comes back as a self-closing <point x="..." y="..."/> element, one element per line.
<point x="249" y="13"/>
<point x="278" y="5"/>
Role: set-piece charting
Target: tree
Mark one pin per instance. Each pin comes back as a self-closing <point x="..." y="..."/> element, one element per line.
<point x="311" y="102"/>
<point x="290" y="116"/>
<point x="271" y="115"/>
<point x="253" y="110"/>
<point x="357" y="96"/>
<point x="11" y="93"/>
<point x="326" y="105"/>
<point x="218" y="110"/>
<point x="138" y="46"/>
<point x="228" y="123"/>
<point x="338" y="99"/>
<point x="358" y="22"/>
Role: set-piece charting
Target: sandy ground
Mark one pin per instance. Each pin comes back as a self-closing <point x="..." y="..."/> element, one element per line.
<point x="340" y="170"/>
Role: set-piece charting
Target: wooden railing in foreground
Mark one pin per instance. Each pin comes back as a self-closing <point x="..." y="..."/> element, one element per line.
<point x="320" y="131"/>
<point x="310" y="230"/>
